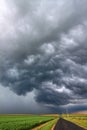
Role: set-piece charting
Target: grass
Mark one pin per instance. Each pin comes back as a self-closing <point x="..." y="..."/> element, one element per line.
<point x="22" y="122"/>
<point x="27" y="122"/>
<point x="78" y="119"/>
<point x="49" y="125"/>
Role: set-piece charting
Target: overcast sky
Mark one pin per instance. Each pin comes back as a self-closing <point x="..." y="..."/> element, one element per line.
<point x="43" y="56"/>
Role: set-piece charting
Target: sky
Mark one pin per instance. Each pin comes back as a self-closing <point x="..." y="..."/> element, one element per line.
<point x="43" y="56"/>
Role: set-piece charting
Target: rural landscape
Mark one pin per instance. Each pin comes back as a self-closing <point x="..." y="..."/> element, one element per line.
<point x="44" y="122"/>
<point x="43" y="64"/>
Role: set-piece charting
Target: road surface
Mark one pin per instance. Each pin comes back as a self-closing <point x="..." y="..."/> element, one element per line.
<point x="66" y="125"/>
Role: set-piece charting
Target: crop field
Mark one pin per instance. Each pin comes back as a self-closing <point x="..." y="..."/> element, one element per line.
<point x="49" y="125"/>
<point x="39" y="122"/>
<point x="22" y="122"/>
<point x="79" y="119"/>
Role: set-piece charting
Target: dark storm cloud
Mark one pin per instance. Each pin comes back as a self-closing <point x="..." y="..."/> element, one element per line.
<point x="43" y="48"/>
<point x="12" y="103"/>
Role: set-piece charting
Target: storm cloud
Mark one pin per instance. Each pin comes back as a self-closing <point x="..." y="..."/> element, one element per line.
<point x="43" y="49"/>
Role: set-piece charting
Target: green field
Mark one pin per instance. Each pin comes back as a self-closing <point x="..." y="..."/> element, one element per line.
<point x="22" y="122"/>
<point x="49" y="125"/>
<point x="45" y="122"/>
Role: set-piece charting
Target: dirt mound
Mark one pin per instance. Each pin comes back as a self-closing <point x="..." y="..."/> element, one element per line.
<point x="66" y="125"/>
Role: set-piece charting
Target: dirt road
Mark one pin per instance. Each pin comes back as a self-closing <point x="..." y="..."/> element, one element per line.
<point x="66" y="125"/>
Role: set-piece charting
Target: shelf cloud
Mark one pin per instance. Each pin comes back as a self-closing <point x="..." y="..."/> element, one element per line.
<point x="43" y="50"/>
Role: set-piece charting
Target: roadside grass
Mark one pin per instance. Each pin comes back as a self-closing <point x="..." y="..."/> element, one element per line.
<point x="23" y="122"/>
<point x="80" y="120"/>
<point x="49" y="125"/>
